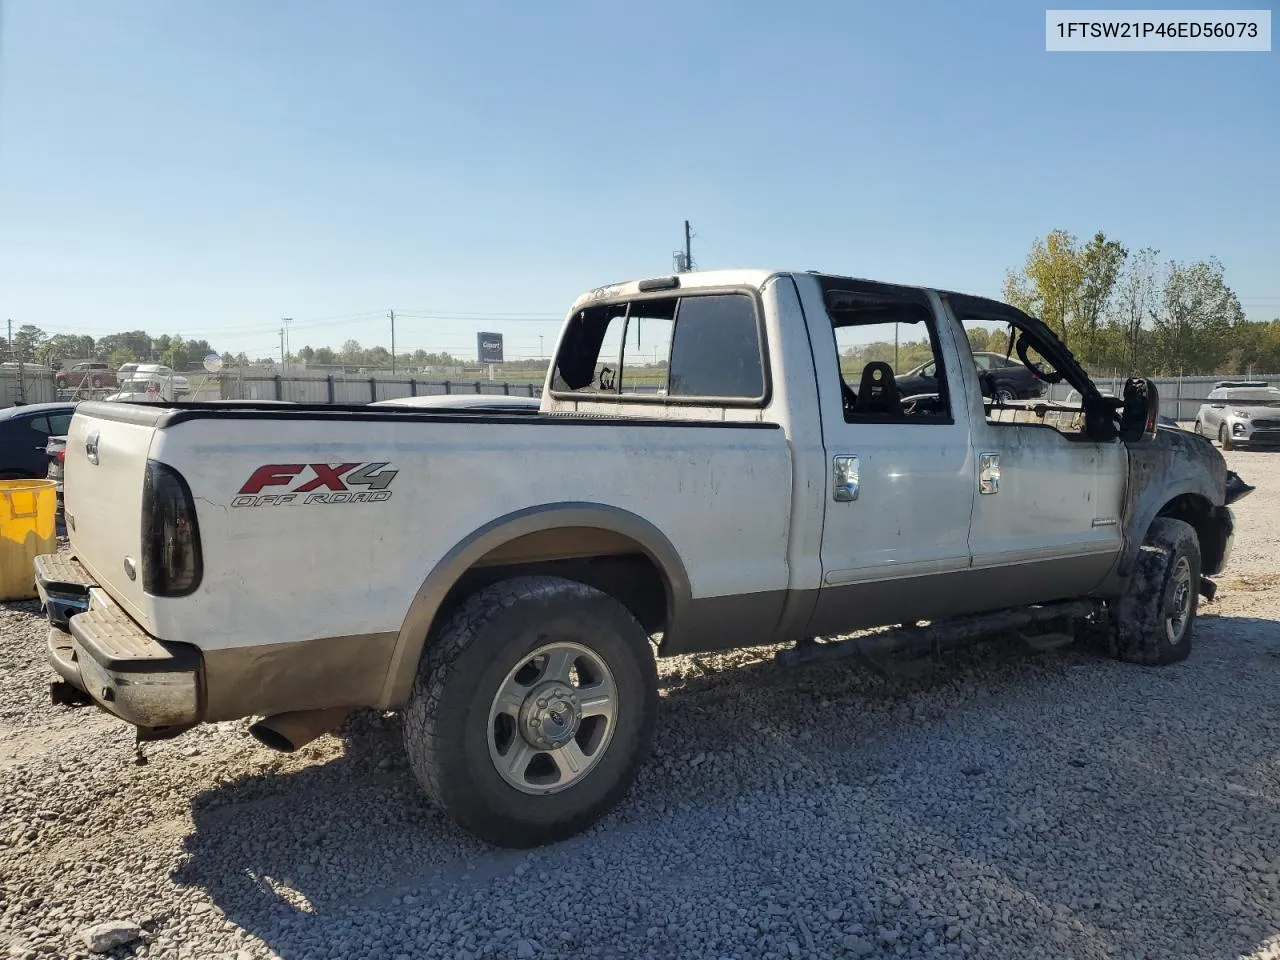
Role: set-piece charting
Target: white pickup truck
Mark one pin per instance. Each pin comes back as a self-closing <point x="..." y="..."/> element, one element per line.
<point x="720" y="460"/>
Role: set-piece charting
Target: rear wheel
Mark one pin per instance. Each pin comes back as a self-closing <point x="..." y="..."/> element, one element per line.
<point x="1155" y="620"/>
<point x="532" y="710"/>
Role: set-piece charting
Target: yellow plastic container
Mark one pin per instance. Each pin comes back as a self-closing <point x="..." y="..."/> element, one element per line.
<point x="28" y="514"/>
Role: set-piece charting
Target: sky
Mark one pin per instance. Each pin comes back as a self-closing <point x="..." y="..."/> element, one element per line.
<point x="206" y="168"/>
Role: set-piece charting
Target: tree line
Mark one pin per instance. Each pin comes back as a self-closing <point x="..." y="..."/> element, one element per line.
<point x="32" y="345"/>
<point x="1136" y="314"/>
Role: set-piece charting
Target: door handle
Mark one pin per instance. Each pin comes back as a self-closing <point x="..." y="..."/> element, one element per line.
<point x="844" y="476"/>
<point x="988" y="473"/>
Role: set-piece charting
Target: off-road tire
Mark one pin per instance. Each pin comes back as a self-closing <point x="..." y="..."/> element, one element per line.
<point x="1146" y="630"/>
<point x="446" y="721"/>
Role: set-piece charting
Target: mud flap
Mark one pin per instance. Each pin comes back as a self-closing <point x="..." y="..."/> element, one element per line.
<point x="1208" y="589"/>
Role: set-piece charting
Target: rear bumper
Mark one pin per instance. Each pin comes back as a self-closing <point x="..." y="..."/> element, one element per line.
<point x="95" y="646"/>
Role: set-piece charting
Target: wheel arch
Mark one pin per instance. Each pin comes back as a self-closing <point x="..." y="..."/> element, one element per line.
<point x="1208" y="523"/>
<point x="566" y="539"/>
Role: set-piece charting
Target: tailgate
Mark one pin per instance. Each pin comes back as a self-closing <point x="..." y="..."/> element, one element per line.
<point x="103" y="473"/>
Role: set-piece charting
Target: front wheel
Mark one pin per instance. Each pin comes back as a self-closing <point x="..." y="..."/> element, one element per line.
<point x="1155" y="619"/>
<point x="1006" y="393"/>
<point x="1224" y="437"/>
<point x="532" y="711"/>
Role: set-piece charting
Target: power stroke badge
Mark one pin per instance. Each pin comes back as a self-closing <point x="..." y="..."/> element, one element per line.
<point x="316" y="483"/>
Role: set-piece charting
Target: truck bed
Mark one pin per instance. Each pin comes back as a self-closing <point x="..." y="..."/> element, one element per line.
<point x="292" y="554"/>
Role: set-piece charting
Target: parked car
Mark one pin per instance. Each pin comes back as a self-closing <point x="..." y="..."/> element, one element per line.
<point x="1240" y="383"/>
<point x="504" y="580"/>
<point x="24" y="433"/>
<point x="463" y="401"/>
<point x="89" y="375"/>
<point x="1240" y="416"/>
<point x="1012" y="380"/>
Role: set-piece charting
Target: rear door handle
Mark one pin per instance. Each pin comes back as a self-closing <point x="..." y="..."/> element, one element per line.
<point x="988" y="473"/>
<point x="844" y="477"/>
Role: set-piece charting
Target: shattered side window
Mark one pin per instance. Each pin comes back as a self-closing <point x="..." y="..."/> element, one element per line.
<point x="1014" y="391"/>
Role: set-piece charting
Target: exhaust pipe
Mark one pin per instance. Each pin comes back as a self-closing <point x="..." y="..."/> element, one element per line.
<point x="287" y="732"/>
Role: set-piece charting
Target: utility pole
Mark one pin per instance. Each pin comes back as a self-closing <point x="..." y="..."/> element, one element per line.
<point x="285" y="356"/>
<point x="22" y="381"/>
<point x="684" y="259"/>
<point x="392" y="315"/>
<point x="541" y="355"/>
<point x="282" y="350"/>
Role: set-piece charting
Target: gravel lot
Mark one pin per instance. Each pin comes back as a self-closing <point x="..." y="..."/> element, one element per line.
<point x="1002" y="804"/>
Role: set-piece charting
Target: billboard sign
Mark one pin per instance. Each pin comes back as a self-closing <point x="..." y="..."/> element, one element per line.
<point x="489" y="347"/>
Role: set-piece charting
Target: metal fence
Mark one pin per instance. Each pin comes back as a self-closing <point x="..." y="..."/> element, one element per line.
<point x="34" y="386"/>
<point x="1180" y="397"/>
<point x="347" y="390"/>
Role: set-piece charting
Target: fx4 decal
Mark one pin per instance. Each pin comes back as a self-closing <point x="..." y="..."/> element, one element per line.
<point x="326" y="483"/>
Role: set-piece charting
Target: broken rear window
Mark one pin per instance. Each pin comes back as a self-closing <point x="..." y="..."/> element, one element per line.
<point x="695" y="346"/>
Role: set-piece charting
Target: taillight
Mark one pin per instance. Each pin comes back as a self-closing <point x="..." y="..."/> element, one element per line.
<point x="171" y="561"/>
<point x="61" y="455"/>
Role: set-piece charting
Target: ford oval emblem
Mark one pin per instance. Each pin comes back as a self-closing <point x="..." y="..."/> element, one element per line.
<point x="91" y="447"/>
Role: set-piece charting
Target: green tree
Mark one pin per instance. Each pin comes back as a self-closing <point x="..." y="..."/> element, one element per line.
<point x="137" y="342"/>
<point x="306" y="354"/>
<point x="120" y="356"/>
<point x="62" y="347"/>
<point x="1133" y="306"/>
<point x="1050" y="281"/>
<point x="325" y="357"/>
<point x="197" y="350"/>
<point x="352" y="352"/>
<point x="26" y="343"/>
<point x="175" y="353"/>
<point x="1101" y="261"/>
<point x="1194" y="318"/>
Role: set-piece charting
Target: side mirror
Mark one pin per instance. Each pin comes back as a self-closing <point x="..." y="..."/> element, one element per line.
<point x="1141" y="410"/>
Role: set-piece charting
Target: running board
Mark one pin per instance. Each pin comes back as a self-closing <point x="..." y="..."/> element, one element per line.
<point x="934" y="637"/>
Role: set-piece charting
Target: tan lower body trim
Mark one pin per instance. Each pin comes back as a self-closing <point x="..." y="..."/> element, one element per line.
<point x="307" y="675"/>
